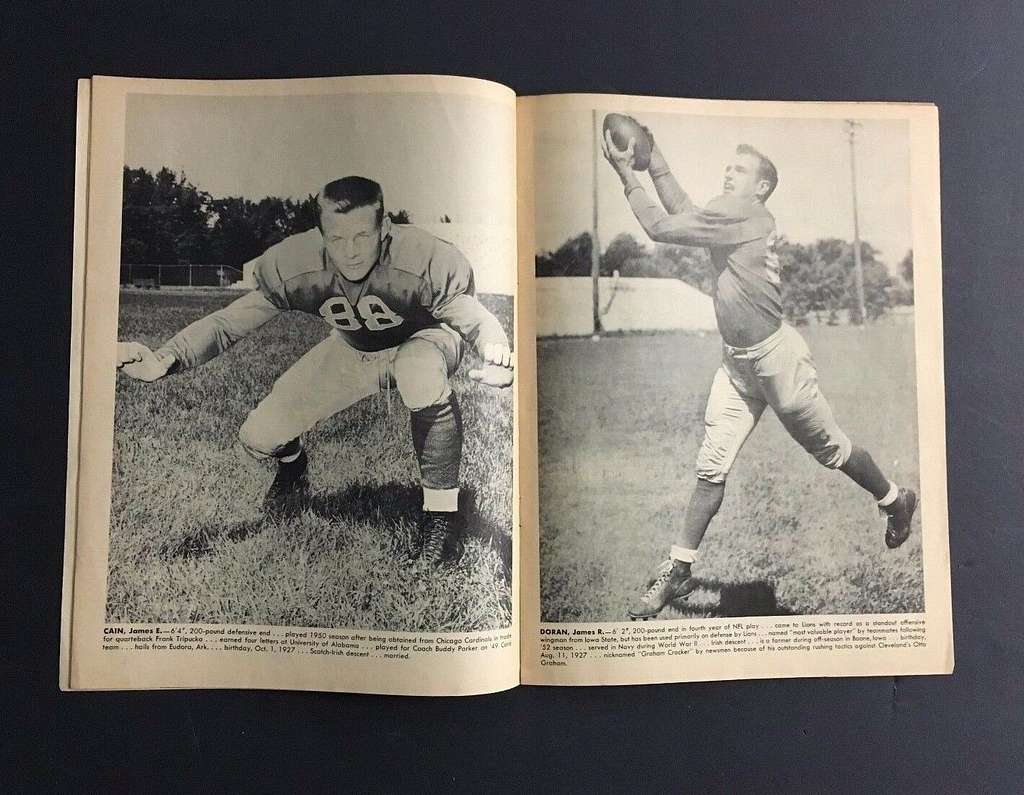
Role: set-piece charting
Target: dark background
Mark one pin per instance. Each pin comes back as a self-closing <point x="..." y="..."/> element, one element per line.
<point x="964" y="732"/>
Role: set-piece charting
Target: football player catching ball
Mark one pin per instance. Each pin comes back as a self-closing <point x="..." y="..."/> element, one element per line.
<point x="765" y="362"/>
<point x="400" y="304"/>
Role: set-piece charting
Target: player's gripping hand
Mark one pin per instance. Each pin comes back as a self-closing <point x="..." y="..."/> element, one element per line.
<point x="621" y="160"/>
<point x="651" y="143"/>
<point x="137" y="361"/>
<point x="658" y="162"/>
<point x="497" y="370"/>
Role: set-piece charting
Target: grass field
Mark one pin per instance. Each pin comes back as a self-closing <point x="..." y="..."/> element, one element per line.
<point x="188" y="542"/>
<point x="620" y="426"/>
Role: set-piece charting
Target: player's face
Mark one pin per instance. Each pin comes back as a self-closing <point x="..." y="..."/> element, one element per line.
<point x="741" y="177"/>
<point x="353" y="240"/>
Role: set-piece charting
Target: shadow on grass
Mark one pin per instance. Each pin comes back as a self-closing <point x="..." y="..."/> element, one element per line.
<point x="736" y="600"/>
<point x="388" y="503"/>
<point x="203" y="540"/>
<point x="402" y="502"/>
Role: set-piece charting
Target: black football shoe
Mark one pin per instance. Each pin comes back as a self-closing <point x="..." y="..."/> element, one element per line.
<point x="670" y="581"/>
<point x="289" y="492"/>
<point x="440" y="538"/>
<point x="898" y="517"/>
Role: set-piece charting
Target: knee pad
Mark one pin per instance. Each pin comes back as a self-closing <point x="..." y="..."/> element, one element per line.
<point x="257" y="444"/>
<point x="422" y="378"/>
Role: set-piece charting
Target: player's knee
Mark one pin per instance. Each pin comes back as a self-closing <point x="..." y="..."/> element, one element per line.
<point x="819" y="436"/>
<point x="711" y="464"/>
<point x="257" y="441"/>
<point x="834" y="452"/>
<point x="424" y="393"/>
<point x="711" y="475"/>
<point x="794" y="407"/>
<point x="421" y="376"/>
<point x="827" y="456"/>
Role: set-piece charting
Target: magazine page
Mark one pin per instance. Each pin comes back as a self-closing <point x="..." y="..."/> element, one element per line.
<point x="740" y="420"/>
<point x="292" y="455"/>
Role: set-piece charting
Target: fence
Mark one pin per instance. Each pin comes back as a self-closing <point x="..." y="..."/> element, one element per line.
<point x="185" y="275"/>
<point x="564" y="305"/>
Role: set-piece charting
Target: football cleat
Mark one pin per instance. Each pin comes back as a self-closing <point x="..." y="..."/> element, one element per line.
<point x="440" y="538"/>
<point x="671" y="580"/>
<point x="898" y="517"/>
<point x="289" y="492"/>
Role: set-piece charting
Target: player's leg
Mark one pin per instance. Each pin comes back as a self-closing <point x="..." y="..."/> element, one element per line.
<point x="421" y="368"/>
<point x="731" y="414"/>
<point x="861" y="468"/>
<point x="896" y="503"/>
<point x="789" y="379"/>
<point x="328" y="378"/>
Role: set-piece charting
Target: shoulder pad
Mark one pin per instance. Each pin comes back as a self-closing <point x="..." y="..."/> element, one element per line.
<point x="296" y="255"/>
<point x="412" y="249"/>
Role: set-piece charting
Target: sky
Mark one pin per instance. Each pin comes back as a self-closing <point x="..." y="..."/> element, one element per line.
<point x="432" y="157"/>
<point x="812" y="200"/>
<point x="437" y="157"/>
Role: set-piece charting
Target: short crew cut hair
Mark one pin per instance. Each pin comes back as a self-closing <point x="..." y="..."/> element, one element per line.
<point x="348" y="193"/>
<point x="765" y="168"/>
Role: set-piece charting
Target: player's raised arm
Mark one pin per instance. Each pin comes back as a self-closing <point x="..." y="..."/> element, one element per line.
<point x="198" y="342"/>
<point x="725" y="223"/>
<point x="453" y="302"/>
<point x="721" y="223"/>
<point x="673" y="198"/>
<point x="650" y="159"/>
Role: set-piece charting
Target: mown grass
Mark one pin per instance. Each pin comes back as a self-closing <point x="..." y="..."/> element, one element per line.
<point x="188" y="542"/>
<point x="621" y="421"/>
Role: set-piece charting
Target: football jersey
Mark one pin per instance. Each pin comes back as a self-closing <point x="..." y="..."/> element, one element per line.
<point x="740" y="236"/>
<point x="418" y="281"/>
<point x="416" y="276"/>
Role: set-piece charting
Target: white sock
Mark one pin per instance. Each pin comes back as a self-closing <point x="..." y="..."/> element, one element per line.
<point x="682" y="554"/>
<point x="289" y="458"/>
<point x="890" y="498"/>
<point x="441" y="500"/>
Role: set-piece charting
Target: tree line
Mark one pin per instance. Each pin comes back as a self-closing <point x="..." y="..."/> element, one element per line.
<point x="166" y="220"/>
<point x="817" y="277"/>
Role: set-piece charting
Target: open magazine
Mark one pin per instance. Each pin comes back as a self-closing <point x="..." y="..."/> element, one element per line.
<point x="408" y="385"/>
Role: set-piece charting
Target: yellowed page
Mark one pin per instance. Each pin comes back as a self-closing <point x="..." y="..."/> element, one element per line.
<point x="793" y="577"/>
<point x="526" y="409"/>
<point x="181" y="582"/>
<point x="75" y="406"/>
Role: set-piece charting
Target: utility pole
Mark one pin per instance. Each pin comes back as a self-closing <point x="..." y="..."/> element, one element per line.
<point x="858" y="266"/>
<point x="595" y="247"/>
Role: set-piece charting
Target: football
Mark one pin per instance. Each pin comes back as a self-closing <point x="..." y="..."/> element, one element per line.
<point x="623" y="128"/>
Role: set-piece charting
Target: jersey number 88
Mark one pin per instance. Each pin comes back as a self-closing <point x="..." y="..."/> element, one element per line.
<point x="370" y="313"/>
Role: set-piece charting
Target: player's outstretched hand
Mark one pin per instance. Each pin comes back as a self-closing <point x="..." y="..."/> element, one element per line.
<point x="650" y="136"/>
<point x="497" y="370"/>
<point x="137" y="361"/>
<point x="622" y="160"/>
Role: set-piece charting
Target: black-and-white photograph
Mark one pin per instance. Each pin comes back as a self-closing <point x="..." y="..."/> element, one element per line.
<point x="727" y="407"/>
<point x="313" y="420"/>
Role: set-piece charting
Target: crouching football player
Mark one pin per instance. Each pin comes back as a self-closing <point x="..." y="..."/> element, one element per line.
<point x="765" y="362"/>
<point x="400" y="304"/>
